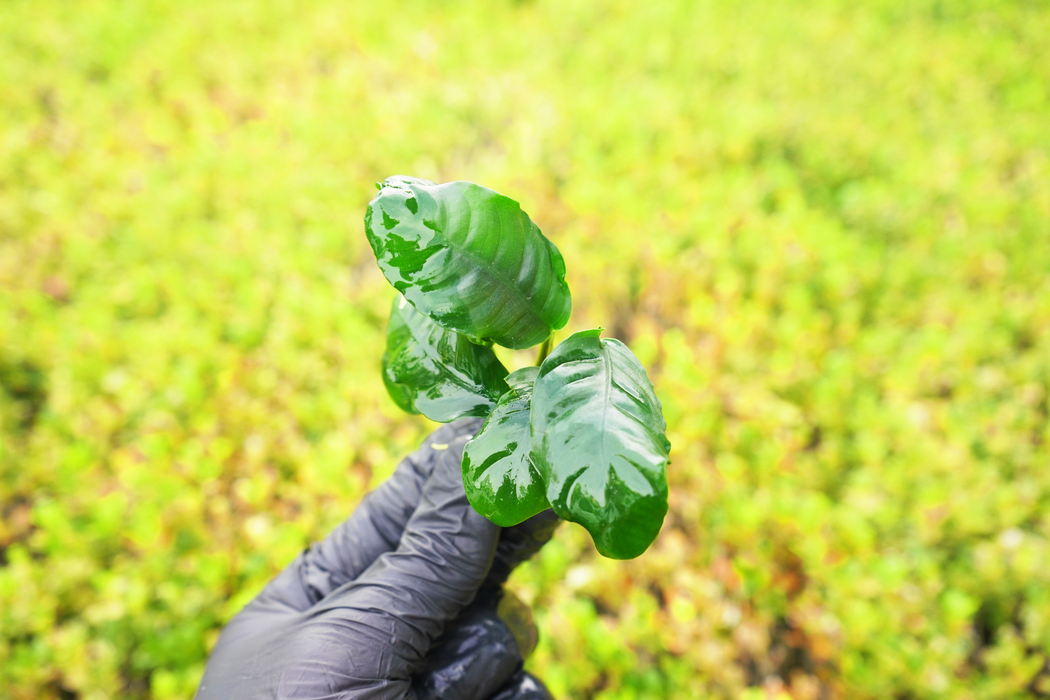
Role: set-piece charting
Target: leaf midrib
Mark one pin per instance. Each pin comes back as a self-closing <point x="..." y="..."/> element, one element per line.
<point x="607" y="362"/>
<point x="484" y="265"/>
<point x="608" y="405"/>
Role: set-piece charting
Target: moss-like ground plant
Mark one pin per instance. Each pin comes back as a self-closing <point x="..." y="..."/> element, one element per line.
<point x="582" y="432"/>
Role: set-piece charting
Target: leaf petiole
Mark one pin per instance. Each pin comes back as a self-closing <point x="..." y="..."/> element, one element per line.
<point x="545" y="350"/>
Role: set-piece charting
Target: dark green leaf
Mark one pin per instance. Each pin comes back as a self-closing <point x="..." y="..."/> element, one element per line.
<point x="498" y="475"/>
<point x="469" y="258"/>
<point x="598" y="441"/>
<point x="437" y="372"/>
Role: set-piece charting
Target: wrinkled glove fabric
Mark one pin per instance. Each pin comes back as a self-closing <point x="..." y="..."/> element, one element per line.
<point x="401" y="601"/>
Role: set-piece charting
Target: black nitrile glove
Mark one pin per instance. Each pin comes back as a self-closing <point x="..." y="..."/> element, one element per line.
<point x="403" y="600"/>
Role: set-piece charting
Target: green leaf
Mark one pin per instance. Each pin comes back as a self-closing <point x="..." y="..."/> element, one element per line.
<point x="498" y="475"/>
<point x="598" y="441"/>
<point x="469" y="258"/>
<point x="437" y="372"/>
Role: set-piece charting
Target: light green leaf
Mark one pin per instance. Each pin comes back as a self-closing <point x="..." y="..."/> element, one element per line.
<point x="598" y="441"/>
<point x="469" y="258"/>
<point x="498" y="475"/>
<point x="437" y="372"/>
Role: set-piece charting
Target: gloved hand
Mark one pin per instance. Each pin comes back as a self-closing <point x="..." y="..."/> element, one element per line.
<point x="402" y="600"/>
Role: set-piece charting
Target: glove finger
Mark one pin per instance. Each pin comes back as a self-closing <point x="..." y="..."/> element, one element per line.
<point x="374" y="527"/>
<point x="523" y="686"/>
<point x="518" y="543"/>
<point x="472" y="659"/>
<point x="397" y="608"/>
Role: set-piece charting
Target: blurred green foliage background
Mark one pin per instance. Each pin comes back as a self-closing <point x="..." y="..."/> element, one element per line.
<point x="824" y="226"/>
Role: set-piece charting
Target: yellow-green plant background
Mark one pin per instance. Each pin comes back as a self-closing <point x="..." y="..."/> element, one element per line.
<point x="824" y="226"/>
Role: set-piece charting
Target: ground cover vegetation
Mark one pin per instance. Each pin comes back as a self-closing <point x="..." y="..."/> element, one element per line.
<point x="821" y="226"/>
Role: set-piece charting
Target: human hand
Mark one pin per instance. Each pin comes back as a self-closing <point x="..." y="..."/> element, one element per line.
<point x="401" y="601"/>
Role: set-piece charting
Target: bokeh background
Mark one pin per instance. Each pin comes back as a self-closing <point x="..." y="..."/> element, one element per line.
<point x="823" y="226"/>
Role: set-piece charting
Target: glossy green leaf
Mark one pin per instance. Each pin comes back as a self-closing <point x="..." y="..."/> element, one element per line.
<point x="498" y="475"/>
<point x="437" y="372"/>
<point x="598" y="441"/>
<point x="469" y="258"/>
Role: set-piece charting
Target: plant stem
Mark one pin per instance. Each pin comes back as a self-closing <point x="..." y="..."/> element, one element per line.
<point x="545" y="350"/>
